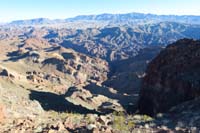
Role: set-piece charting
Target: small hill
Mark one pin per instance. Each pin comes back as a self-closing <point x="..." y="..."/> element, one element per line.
<point x="35" y="43"/>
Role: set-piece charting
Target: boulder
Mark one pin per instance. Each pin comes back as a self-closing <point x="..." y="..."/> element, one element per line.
<point x="91" y="126"/>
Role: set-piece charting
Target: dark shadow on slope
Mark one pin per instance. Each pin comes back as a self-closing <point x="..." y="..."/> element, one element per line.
<point x="16" y="55"/>
<point x="50" y="101"/>
<point x="126" y="75"/>
<point x="68" y="56"/>
<point x="129" y="102"/>
<point x="52" y="49"/>
<point x="76" y="47"/>
<point x="51" y="34"/>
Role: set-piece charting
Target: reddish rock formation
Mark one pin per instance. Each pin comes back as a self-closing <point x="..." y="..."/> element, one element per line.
<point x="172" y="77"/>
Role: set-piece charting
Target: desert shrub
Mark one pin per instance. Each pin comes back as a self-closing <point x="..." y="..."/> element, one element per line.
<point x="121" y="123"/>
<point x="147" y="118"/>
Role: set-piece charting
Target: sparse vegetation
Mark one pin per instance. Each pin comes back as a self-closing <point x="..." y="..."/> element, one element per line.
<point x="121" y="123"/>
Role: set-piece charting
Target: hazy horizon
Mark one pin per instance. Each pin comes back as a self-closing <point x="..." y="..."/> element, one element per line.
<point x="100" y="14"/>
<point x="22" y="9"/>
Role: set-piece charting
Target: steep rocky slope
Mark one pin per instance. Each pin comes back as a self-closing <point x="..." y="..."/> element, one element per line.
<point x="126" y="75"/>
<point x="172" y="78"/>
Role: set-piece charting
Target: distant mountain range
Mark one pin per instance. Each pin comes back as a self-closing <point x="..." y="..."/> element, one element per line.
<point x="138" y="17"/>
<point x="117" y="19"/>
<point x="37" y="21"/>
<point x="122" y="42"/>
<point x="108" y="42"/>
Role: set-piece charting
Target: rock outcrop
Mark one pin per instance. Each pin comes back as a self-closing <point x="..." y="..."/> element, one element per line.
<point x="172" y="78"/>
<point x="79" y="67"/>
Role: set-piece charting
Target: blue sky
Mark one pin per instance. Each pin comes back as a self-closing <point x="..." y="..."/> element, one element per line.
<point x="27" y="9"/>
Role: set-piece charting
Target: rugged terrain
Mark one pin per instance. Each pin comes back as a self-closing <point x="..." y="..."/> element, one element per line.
<point x="172" y="82"/>
<point x="84" y="74"/>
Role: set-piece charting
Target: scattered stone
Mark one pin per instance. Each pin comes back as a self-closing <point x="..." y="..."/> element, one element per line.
<point x="177" y="128"/>
<point x="68" y="123"/>
<point x="137" y="117"/>
<point x="52" y="131"/>
<point x="159" y="115"/>
<point x="164" y="127"/>
<point x="60" y="126"/>
<point x="38" y="129"/>
<point x="91" y="126"/>
<point x="146" y="126"/>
